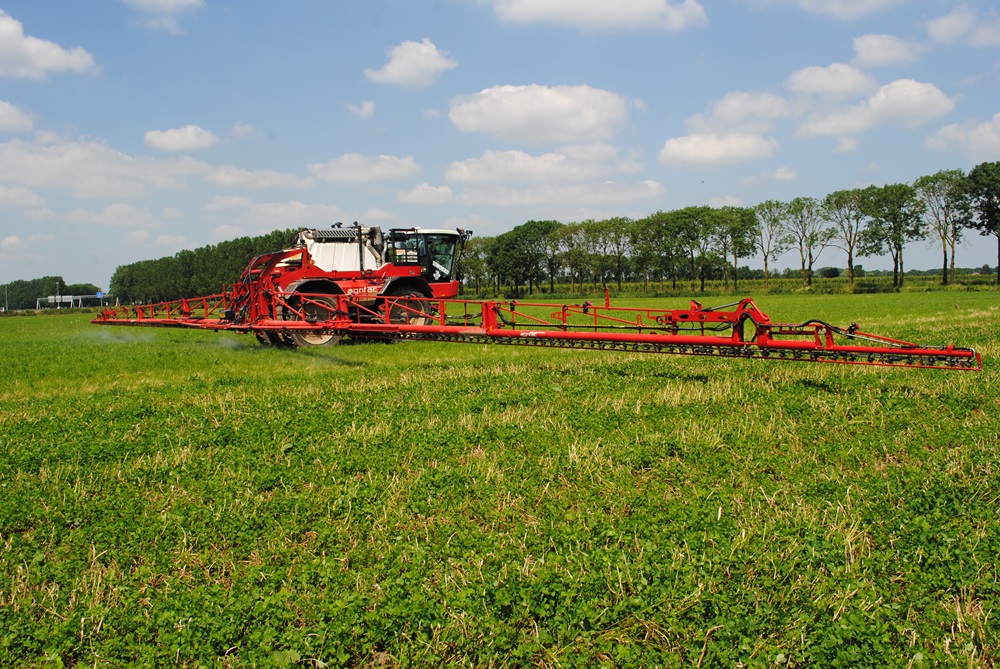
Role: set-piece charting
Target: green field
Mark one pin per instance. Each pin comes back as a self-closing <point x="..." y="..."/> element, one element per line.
<point x="177" y="498"/>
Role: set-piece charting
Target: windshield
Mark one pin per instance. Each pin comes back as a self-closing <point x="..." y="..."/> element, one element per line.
<point x="442" y="256"/>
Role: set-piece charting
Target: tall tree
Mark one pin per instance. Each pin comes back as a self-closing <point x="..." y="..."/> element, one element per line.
<point x="947" y="211"/>
<point x="618" y="234"/>
<point x="597" y="242"/>
<point x="695" y="227"/>
<point x="897" y="218"/>
<point x="984" y="188"/>
<point x="573" y="252"/>
<point x="846" y="210"/>
<point x="533" y="245"/>
<point x="808" y="232"/>
<point x="734" y="230"/>
<point x="769" y="237"/>
<point x="473" y="264"/>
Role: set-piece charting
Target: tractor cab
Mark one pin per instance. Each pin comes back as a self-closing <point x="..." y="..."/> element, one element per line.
<point x="435" y="251"/>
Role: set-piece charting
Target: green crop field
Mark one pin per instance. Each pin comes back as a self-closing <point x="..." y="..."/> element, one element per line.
<point x="183" y="498"/>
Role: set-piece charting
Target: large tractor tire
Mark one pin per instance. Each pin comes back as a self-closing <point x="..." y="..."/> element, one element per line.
<point x="313" y="311"/>
<point x="408" y="312"/>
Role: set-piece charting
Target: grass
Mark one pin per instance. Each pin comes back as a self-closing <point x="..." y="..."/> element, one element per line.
<point x="176" y="498"/>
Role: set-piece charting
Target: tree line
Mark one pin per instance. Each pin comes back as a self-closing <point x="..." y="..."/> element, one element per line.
<point x="700" y="243"/>
<point x="204" y="271"/>
<point x="24" y="294"/>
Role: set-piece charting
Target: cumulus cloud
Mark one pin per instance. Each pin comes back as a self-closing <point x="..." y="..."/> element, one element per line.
<point x="979" y="141"/>
<point x="13" y="119"/>
<point x="785" y="174"/>
<point x="700" y="150"/>
<point x="903" y="102"/>
<point x="260" y="216"/>
<point x="425" y="193"/>
<point x="144" y="238"/>
<point x="846" y="145"/>
<point x="537" y="114"/>
<point x="163" y="14"/>
<point x="227" y="231"/>
<point x="226" y="202"/>
<point x="26" y="57"/>
<point x="836" y="81"/>
<point x="725" y="201"/>
<point x="881" y="50"/>
<point x="246" y="131"/>
<point x="188" y="138"/>
<point x="364" y="110"/>
<point x="91" y="169"/>
<point x="745" y="111"/>
<point x="843" y="10"/>
<point x="413" y="65"/>
<point x="605" y="14"/>
<point x="357" y="168"/>
<point x="235" y="177"/>
<point x="19" y="197"/>
<point x="567" y="164"/>
<point x="18" y="243"/>
<point x="964" y="24"/>
<point x="119" y="215"/>
<point x="577" y="195"/>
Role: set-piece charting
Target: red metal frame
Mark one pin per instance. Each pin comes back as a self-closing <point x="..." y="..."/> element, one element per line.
<point x="745" y="331"/>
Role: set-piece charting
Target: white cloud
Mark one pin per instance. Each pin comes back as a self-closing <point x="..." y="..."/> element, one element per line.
<point x="846" y="145"/>
<point x="357" y="168"/>
<point x="20" y="197"/>
<point x="605" y="193"/>
<point x="246" y="131"/>
<point x="412" y="65"/>
<point x="568" y="164"/>
<point x="903" y="102"/>
<point x="741" y="111"/>
<point x="424" y="193"/>
<point x="880" y="50"/>
<point x="188" y="138"/>
<point x="540" y="114"/>
<point x="24" y="57"/>
<point x="979" y="141"/>
<point x="605" y="14"/>
<point x="712" y="150"/>
<point x="234" y="177"/>
<point x="91" y="169"/>
<point x="725" y="201"/>
<point x="843" y="10"/>
<point x="118" y="215"/>
<point x="836" y="81"/>
<point x="966" y="25"/>
<point x="952" y="26"/>
<point x="226" y="231"/>
<point x="163" y="14"/>
<point x="13" y="119"/>
<point x="18" y="243"/>
<point x="365" y="110"/>
<point x="986" y="35"/>
<point x="225" y="202"/>
<point x="785" y="174"/>
<point x="292" y="214"/>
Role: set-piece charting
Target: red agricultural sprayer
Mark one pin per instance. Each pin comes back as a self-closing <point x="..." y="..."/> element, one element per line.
<point x="357" y="282"/>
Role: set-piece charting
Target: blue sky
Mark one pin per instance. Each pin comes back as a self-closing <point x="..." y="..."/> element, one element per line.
<point x="131" y="129"/>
